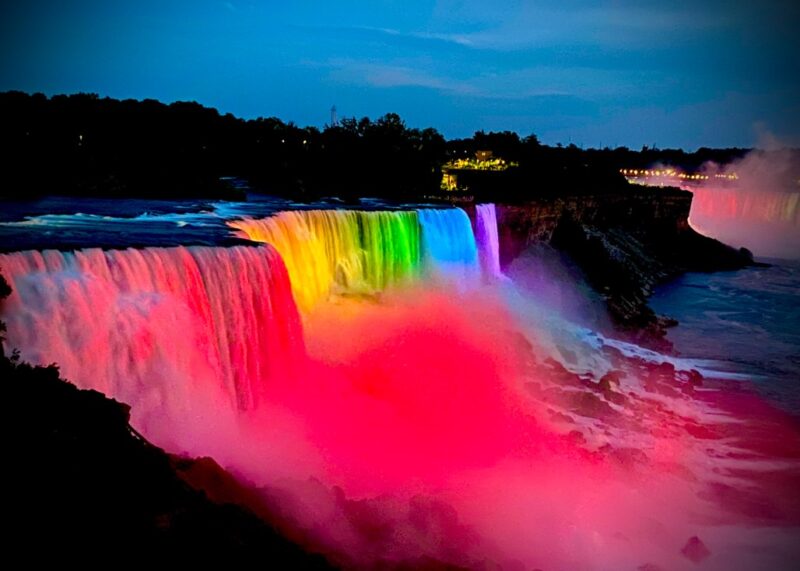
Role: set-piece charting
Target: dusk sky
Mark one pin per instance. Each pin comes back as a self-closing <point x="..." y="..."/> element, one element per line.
<point x="674" y="74"/>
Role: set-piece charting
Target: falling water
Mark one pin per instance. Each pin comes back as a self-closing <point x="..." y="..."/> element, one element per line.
<point x="487" y="239"/>
<point x="150" y="326"/>
<point x="339" y="251"/>
<point x="448" y="245"/>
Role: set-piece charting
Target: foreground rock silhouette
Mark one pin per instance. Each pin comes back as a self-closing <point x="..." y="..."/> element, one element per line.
<point x="81" y="482"/>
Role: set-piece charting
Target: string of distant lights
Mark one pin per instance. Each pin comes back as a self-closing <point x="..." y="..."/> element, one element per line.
<point x="672" y="173"/>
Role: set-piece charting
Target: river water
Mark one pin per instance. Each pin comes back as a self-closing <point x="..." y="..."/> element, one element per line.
<point x="746" y="324"/>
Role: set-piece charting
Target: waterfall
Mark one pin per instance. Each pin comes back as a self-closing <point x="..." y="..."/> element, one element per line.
<point x="151" y="326"/>
<point x="487" y="239"/>
<point x="448" y="245"/>
<point x="339" y="251"/>
<point x="767" y="221"/>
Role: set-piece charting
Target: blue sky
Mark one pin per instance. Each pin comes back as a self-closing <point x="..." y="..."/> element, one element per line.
<point x="675" y="74"/>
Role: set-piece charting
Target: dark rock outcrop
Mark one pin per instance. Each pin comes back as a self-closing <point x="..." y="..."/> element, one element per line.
<point x="80" y="482"/>
<point x="695" y="550"/>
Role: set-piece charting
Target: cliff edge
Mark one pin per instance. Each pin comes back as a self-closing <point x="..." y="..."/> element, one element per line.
<point x="626" y="243"/>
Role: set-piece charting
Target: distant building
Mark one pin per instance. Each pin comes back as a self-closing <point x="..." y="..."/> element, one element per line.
<point x="484" y="160"/>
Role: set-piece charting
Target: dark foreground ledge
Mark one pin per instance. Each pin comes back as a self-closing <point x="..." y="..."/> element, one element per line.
<point x="81" y="483"/>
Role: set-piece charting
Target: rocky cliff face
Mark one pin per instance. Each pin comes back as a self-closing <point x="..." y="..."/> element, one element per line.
<point x="626" y="243"/>
<point x="663" y="211"/>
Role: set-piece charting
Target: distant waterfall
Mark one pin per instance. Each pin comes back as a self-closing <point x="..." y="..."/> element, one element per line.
<point x="762" y="220"/>
<point x="149" y="326"/>
<point x="332" y="251"/>
<point x="487" y="239"/>
<point x="448" y="245"/>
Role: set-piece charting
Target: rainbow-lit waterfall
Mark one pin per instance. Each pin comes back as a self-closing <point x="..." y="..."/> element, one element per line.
<point x="142" y="325"/>
<point x="360" y="252"/>
<point x="331" y="251"/>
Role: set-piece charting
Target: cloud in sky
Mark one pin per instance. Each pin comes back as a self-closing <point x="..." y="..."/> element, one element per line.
<point x="503" y="84"/>
<point x="564" y="69"/>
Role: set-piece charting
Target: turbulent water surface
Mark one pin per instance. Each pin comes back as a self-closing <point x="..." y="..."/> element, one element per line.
<point x="744" y="323"/>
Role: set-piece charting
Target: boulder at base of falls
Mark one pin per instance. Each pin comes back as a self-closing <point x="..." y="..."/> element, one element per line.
<point x="695" y="550"/>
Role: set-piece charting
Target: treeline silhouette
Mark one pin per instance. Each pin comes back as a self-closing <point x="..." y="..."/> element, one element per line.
<point x="86" y="145"/>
